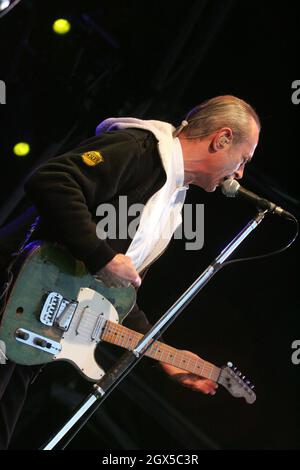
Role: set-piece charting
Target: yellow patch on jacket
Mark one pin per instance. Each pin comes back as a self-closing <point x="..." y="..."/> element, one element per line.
<point x="92" y="158"/>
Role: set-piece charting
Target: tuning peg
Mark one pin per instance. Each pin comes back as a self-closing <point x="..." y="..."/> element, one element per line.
<point x="252" y="386"/>
<point x="229" y="364"/>
<point x="248" y="382"/>
<point x="235" y="369"/>
<point x="238" y="373"/>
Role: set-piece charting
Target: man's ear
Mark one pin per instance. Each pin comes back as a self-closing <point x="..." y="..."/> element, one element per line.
<point x="222" y="138"/>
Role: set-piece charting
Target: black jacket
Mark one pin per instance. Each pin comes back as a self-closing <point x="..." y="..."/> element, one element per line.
<point x="67" y="191"/>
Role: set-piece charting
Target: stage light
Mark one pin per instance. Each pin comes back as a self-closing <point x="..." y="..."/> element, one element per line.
<point x="7" y="5"/>
<point x="4" y="4"/>
<point x="61" y="26"/>
<point x="21" y="149"/>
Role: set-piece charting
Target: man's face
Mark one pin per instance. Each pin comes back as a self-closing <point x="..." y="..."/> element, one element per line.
<point x="228" y="163"/>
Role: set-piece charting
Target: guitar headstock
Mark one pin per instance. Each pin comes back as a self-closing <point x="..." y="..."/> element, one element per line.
<point x="236" y="384"/>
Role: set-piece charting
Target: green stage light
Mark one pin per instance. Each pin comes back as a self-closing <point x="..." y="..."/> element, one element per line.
<point x="61" y="26"/>
<point x="21" y="149"/>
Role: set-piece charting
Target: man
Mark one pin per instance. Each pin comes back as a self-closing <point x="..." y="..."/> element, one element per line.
<point x="151" y="163"/>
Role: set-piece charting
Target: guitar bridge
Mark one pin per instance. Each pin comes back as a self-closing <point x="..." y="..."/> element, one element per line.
<point x="58" y="311"/>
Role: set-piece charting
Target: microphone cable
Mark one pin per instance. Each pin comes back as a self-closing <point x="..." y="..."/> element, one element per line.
<point x="271" y="253"/>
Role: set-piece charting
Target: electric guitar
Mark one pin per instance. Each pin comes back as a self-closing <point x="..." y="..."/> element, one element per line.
<point x="56" y="310"/>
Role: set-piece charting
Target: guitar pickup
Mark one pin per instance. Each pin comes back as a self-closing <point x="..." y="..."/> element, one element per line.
<point x="65" y="314"/>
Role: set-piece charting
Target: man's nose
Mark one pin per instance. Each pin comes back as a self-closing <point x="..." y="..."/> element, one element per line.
<point x="239" y="173"/>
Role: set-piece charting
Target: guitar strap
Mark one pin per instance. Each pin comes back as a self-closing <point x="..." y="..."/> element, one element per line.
<point x="8" y="273"/>
<point x="27" y="238"/>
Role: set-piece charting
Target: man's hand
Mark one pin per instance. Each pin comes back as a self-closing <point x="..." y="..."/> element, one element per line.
<point x="189" y="380"/>
<point x="120" y="268"/>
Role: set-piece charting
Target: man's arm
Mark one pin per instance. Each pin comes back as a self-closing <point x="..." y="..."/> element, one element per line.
<point x="67" y="191"/>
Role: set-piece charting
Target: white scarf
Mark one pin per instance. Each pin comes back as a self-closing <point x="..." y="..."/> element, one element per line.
<point x="162" y="212"/>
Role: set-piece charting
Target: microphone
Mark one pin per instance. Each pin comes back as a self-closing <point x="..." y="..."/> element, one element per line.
<point x="231" y="188"/>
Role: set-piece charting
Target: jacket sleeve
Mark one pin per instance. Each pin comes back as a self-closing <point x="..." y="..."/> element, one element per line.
<point x="67" y="190"/>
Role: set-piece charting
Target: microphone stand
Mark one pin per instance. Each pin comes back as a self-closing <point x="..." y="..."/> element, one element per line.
<point x="129" y="360"/>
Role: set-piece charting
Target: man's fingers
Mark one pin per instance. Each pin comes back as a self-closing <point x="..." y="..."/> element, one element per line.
<point x="123" y="268"/>
<point x="137" y="281"/>
<point x="131" y="272"/>
<point x="200" y="385"/>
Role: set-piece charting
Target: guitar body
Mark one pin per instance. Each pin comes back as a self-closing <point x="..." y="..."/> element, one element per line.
<point x="49" y="268"/>
<point x="56" y="310"/>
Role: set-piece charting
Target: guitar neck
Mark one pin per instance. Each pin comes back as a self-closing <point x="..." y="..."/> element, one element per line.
<point x="128" y="339"/>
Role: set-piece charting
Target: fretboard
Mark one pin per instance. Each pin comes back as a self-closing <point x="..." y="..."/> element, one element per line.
<point x="128" y="339"/>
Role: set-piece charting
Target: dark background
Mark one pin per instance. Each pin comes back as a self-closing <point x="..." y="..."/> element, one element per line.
<point x="157" y="60"/>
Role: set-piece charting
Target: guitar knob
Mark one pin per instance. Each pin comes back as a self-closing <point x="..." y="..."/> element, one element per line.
<point x="22" y="335"/>
<point x="40" y="342"/>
